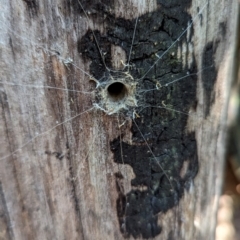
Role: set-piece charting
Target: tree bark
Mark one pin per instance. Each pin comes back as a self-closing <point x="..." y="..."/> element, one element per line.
<point x="85" y="158"/>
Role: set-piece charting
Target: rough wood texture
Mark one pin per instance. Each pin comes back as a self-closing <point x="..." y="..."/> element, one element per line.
<point x="71" y="170"/>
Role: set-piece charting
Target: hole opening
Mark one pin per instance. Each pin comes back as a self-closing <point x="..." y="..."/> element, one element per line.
<point x="117" y="91"/>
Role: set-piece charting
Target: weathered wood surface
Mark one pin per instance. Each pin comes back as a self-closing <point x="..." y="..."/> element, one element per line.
<point x="62" y="173"/>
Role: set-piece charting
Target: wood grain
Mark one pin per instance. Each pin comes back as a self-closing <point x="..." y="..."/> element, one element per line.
<point x="58" y="171"/>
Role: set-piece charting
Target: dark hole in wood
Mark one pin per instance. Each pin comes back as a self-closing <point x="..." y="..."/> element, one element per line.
<point x="117" y="91"/>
